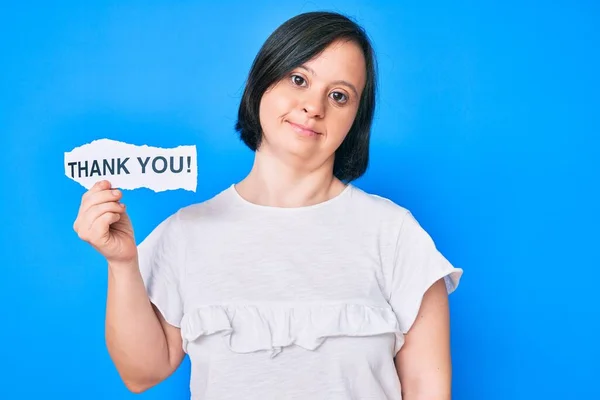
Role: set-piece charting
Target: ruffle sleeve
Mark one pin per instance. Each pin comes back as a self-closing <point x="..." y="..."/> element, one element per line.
<point x="417" y="265"/>
<point x="160" y="260"/>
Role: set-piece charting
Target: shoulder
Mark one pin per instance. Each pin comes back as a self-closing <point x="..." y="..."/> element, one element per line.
<point x="392" y="219"/>
<point x="376" y="206"/>
<point x="215" y="207"/>
<point x="202" y="213"/>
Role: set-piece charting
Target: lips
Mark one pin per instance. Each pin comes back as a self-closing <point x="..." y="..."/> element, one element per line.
<point x="303" y="129"/>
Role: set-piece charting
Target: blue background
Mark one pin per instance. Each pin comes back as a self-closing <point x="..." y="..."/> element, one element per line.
<point x="487" y="129"/>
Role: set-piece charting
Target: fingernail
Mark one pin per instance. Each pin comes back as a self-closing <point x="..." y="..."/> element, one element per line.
<point x="115" y="192"/>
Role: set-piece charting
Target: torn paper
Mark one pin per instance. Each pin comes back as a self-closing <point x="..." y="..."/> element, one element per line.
<point x="128" y="166"/>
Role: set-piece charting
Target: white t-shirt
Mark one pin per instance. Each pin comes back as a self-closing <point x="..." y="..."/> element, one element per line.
<point x="292" y="303"/>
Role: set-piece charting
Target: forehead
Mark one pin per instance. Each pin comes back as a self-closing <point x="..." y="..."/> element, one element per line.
<point x="341" y="60"/>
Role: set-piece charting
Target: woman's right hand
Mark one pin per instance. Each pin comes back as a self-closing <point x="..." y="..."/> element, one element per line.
<point x="103" y="222"/>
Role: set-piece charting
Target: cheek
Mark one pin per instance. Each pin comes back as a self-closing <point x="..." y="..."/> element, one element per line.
<point x="349" y="120"/>
<point x="342" y="124"/>
<point x="274" y="105"/>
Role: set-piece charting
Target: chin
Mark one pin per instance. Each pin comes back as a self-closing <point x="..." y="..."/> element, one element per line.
<point x="293" y="148"/>
<point x="285" y="141"/>
<point x="299" y="150"/>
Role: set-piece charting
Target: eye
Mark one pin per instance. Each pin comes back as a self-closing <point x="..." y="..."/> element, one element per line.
<point x="298" y="80"/>
<point x="339" y="97"/>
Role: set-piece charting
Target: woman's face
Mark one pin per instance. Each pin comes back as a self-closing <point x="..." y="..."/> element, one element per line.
<point x="308" y="114"/>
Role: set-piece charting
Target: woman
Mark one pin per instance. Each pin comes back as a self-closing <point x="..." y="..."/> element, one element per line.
<point x="293" y="283"/>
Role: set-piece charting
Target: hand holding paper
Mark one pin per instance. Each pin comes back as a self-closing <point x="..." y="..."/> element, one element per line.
<point x="103" y="223"/>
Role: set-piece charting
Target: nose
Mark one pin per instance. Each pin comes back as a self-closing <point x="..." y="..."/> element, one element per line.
<point x="313" y="105"/>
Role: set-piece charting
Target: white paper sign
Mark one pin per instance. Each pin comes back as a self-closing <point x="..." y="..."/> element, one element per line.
<point x="128" y="166"/>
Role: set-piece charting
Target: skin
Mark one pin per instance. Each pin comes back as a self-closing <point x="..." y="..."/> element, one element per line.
<point x="293" y="167"/>
<point x="424" y="364"/>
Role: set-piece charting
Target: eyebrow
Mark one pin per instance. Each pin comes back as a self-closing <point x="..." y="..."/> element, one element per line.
<point x="338" y="82"/>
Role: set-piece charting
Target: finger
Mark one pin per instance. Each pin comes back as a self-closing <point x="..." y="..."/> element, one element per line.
<point x="100" y="197"/>
<point x="91" y="198"/>
<point x="98" y="186"/>
<point x="102" y="224"/>
<point x="98" y="210"/>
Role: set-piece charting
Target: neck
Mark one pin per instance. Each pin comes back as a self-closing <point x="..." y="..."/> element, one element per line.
<point x="275" y="183"/>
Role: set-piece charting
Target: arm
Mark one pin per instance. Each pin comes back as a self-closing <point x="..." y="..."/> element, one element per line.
<point x="424" y="363"/>
<point x="143" y="346"/>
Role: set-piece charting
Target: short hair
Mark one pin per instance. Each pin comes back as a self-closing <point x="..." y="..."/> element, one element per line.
<point x="295" y="42"/>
